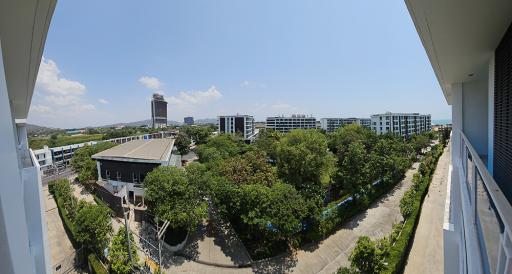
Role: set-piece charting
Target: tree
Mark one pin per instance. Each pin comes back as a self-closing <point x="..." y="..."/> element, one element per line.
<point x="221" y="147"/>
<point x="119" y="259"/>
<point x="304" y="161"/>
<point x="182" y="142"/>
<point x="249" y="168"/>
<point x="419" y="142"/>
<point x="53" y="140"/>
<point x="354" y="169"/>
<point x="367" y="256"/>
<point x="199" y="134"/>
<point x="267" y="141"/>
<point x="340" y="139"/>
<point x="63" y="191"/>
<point x="170" y="196"/>
<point x="93" y="226"/>
<point x="84" y="165"/>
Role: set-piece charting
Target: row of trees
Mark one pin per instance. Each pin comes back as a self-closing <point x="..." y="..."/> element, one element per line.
<point x="90" y="226"/>
<point x="275" y="189"/>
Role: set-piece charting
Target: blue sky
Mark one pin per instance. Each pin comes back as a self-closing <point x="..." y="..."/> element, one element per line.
<point x="329" y="58"/>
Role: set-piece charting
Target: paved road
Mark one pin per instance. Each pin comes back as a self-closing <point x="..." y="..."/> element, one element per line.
<point x="330" y="254"/>
<point x="427" y="251"/>
<point x="61" y="249"/>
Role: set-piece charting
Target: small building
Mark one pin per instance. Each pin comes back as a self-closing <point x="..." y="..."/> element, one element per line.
<point x="188" y="121"/>
<point x="122" y="169"/>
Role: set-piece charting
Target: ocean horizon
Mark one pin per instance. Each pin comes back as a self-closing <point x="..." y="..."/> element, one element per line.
<point x="441" y="121"/>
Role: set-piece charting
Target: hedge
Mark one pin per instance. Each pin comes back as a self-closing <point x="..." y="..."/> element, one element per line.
<point x="350" y="209"/>
<point x="95" y="265"/>
<point x="69" y="226"/>
<point x="399" y="252"/>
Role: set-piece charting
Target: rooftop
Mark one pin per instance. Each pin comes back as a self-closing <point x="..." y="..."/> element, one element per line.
<point x="149" y="150"/>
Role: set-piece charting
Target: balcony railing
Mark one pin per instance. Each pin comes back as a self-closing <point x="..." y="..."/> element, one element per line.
<point x="492" y="213"/>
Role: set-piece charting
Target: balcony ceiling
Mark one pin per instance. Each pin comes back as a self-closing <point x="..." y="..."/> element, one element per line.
<point x="23" y="28"/>
<point x="460" y="36"/>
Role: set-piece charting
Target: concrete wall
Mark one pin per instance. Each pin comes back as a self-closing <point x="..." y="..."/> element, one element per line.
<point x="475" y="113"/>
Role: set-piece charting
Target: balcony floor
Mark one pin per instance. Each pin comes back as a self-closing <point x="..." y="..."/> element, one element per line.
<point x="427" y="250"/>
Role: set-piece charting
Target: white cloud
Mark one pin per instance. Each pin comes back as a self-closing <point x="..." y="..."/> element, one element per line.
<point x="103" y="101"/>
<point x="62" y="100"/>
<point x="41" y="109"/>
<point x="252" y="84"/>
<point x="150" y="82"/>
<point x="50" y="81"/>
<point x="188" y="98"/>
<point x="86" y="107"/>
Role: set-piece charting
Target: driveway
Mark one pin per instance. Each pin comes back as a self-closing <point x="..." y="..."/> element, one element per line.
<point x="62" y="251"/>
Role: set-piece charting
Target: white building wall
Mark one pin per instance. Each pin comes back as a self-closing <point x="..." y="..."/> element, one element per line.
<point x="475" y="113"/>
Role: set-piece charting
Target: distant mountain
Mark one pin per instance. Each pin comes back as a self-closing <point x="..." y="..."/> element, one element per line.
<point x="140" y="123"/>
<point x="205" y="121"/>
<point x="40" y="130"/>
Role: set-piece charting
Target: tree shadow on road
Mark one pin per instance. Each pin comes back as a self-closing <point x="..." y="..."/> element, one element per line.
<point x="279" y="264"/>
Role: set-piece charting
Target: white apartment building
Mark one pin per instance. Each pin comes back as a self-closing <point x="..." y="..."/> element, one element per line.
<point x="237" y="124"/>
<point x="469" y="44"/>
<point x="403" y="124"/>
<point x="331" y="124"/>
<point x="286" y="124"/>
<point x="24" y="245"/>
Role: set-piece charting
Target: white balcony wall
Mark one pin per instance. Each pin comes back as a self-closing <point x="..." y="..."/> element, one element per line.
<point x="475" y="113"/>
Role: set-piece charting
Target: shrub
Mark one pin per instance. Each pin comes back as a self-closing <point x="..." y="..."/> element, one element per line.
<point x="95" y="265"/>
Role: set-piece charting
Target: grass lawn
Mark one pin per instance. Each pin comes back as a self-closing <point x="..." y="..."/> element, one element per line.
<point x="62" y="140"/>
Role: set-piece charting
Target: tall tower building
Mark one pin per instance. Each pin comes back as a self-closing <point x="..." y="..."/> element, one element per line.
<point x="158" y="111"/>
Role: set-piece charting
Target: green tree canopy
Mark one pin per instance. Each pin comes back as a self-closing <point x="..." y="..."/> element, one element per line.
<point x="118" y="253"/>
<point x="249" y="168"/>
<point x="171" y="196"/>
<point x="267" y="141"/>
<point x="199" y="134"/>
<point x="93" y="226"/>
<point x="221" y="147"/>
<point x="182" y="142"/>
<point x="84" y="165"/>
<point x="303" y="160"/>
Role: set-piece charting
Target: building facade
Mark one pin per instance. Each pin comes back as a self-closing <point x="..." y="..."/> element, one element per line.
<point x="24" y="245"/>
<point x="158" y="111"/>
<point x="331" y="124"/>
<point x="402" y="124"/>
<point x="470" y="49"/>
<point x="237" y="124"/>
<point x="122" y="169"/>
<point x="188" y="121"/>
<point x="286" y="124"/>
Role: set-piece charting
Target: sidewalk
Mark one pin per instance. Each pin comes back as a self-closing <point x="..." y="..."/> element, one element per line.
<point x="427" y="255"/>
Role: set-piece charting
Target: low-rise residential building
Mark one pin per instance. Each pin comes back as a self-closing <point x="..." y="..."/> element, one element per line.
<point x="51" y="157"/>
<point x="403" y="124"/>
<point x="331" y="124"/>
<point x="286" y="124"/>
<point x="122" y="169"/>
<point x="237" y="124"/>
